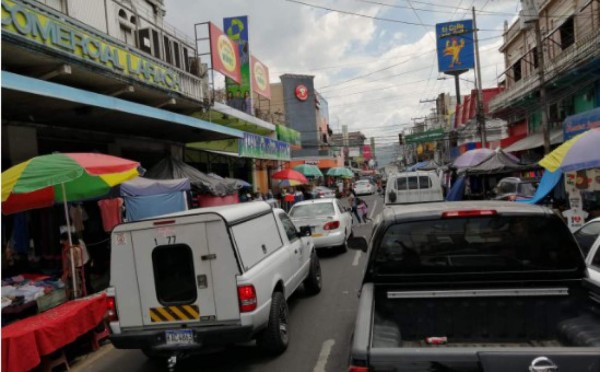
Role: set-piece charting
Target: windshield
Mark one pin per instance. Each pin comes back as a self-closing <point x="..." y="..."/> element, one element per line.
<point x="482" y="244"/>
<point x="362" y="183"/>
<point x="312" y="210"/>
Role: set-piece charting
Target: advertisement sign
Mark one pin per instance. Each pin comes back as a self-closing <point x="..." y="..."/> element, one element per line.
<point x="428" y="136"/>
<point x="455" y="45"/>
<point x="576" y="124"/>
<point x="224" y="54"/>
<point x="85" y="45"/>
<point x="259" y="147"/>
<point x="367" y="153"/>
<point x="260" y="78"/>
<point x="289" y="135"/>
<point x="239" y="93"/>
<point x="301" y="92"/>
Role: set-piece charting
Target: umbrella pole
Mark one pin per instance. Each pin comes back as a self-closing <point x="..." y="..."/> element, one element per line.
<point x="72" y="259"/>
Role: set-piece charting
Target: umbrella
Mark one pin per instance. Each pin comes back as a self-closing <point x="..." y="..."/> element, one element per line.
<point x="61" y="177"/>
<point x="309" y="170"/>
<point x="290" y="183"/>
<point x="290" y="174"/>
<point x="580" y="152"/>
<point x="340" y="172"/>
<point x="241" y="183"/>
<point x="472" y="158"/>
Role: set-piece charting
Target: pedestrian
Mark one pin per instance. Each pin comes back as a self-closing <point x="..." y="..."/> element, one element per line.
<point x="364" y="210"/>
<point x="353" y="200"/>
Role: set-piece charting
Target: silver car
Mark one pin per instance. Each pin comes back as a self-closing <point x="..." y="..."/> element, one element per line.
<point x="364" y="187"/>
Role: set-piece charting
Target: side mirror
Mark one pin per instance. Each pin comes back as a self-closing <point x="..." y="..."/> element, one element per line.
<point x="305" y="231"/>
<point x="358" y="243"/>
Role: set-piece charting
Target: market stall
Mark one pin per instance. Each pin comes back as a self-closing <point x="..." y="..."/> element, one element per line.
<point x="144" y="197"/>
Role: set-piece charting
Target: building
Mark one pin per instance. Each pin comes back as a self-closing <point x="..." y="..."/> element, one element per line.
<point x="570" y="40"/>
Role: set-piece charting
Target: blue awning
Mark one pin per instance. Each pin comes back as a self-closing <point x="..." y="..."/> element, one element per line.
<point x="29" y="99"/>
<point x="547" y="183"/>
<point x="579" y="123"/>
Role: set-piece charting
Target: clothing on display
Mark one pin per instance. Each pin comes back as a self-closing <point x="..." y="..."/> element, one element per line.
<point x="78" y="216"/>
<point x="110" y="210"/>
<point x="575" y="218"/>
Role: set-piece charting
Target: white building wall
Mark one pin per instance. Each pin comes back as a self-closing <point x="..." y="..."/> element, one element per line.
<point x="89" y="12"/>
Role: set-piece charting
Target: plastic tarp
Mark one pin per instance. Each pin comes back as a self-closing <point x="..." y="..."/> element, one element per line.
<point x="142" y="186"/>
<point x="141" y="207"/>
<point x="547" y="183"/>
<point x="170" y="168"/>
<point x="499" y="162"/>
<point x="458" y="189"/>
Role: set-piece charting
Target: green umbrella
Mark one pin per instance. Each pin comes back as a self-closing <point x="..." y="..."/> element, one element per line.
<point x="340" y="172"/>
<point x="308" y="170"/>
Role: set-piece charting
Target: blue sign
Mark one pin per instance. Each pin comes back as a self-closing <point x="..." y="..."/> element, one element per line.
<point x="455" y="45"/>
<point x="579" y="123"/>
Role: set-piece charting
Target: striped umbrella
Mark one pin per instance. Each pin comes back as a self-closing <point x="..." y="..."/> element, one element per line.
<point x="578" y="153"/>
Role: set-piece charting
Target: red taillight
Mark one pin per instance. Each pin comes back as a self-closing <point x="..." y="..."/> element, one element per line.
<point x="247" y="298"/>
<point x="512" y="198"/>
<point x="332" y="225"/>
<point x="321" y="194"/>
<point x="358" y="369"/>
<point x="111" y="309"/>
<point x="469" y="213"/>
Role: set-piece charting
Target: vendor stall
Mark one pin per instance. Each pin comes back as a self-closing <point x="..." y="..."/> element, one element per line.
<point x="145" y="198"/>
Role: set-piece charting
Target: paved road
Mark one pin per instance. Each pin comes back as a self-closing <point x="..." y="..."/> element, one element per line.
<point x="320" y="327"/>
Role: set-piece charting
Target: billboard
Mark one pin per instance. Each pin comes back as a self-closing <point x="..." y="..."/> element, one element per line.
<point x="239" y="92"/>
<point x="260" y="78"/>
<point x="455" y="45"/>
<point x="259" y="147"/>
<point x="224" y="54"/>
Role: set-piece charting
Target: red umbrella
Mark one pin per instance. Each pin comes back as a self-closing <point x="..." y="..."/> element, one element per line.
<point x="290" y="174"/>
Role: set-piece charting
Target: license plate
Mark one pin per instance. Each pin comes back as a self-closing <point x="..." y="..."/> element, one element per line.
<point x="181" y="336"/>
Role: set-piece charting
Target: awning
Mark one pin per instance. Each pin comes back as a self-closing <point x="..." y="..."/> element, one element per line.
<point x="27" y="99"/>
<point x="233" y="118"/>
<point x="536" y="140"/>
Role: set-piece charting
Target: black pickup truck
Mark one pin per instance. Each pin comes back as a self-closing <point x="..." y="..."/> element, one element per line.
<point x="474" y="286"/>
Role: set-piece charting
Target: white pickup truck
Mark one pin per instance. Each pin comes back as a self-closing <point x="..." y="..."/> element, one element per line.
<point x="207" y="277"/>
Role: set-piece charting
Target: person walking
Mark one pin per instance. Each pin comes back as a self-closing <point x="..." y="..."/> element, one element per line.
<point x="353" y="200"/>
<point x="363" y="208"/>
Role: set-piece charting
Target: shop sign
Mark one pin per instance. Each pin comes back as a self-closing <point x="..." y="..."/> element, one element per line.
<point x="301" y="92"/>
<point x="260" y="78"/>
<point x="259" y="147"/>
<point x="311" y="162"/>
<point x="238" y="91"/>
<point x="42" y="28"/>
<point x="289" y="135"/>
<point x="428" y="136"/>
<point x="579" y="123"/>
<point x="224" y="53"/>
<point x="455" y="45"/>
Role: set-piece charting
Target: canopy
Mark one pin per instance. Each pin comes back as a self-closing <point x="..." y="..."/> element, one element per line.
<point x="170" y="168"/>
<point x="499" y="162"/>
<point x="547" y="183"/>
<point x="340" y="172"/>
<point x="580" y="152"/>
<point x="472" y="157"/>
<point x="535" y="140"/>
<point x="424" y="165"/>
<point x="290" y="174"/>
<point x="142" y="186"/>
<point x="309" y="170"/>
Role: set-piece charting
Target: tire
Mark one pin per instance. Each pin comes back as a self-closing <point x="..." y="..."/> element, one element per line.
<point x="275" y="338"/>
<point x="312" y="283"/>
<point x="344" y="247"/>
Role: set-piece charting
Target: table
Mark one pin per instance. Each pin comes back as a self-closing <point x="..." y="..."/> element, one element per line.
<point x="26" y="341"/>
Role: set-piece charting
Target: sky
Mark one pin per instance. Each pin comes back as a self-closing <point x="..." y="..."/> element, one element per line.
<point x="373" y="60"/>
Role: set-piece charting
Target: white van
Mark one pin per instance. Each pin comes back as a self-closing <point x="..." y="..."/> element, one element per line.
<point x="207" y="277"/>
<point x="413" y="187"/>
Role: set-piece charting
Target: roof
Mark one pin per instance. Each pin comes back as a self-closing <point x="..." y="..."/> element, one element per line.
<point x="428" y="210"/>
<point x="230" y="213"/>
<point x="315" y="201"/>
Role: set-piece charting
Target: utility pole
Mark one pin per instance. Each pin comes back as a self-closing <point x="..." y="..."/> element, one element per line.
<point x="480" y="113"/>
<point x="540" y="53"/>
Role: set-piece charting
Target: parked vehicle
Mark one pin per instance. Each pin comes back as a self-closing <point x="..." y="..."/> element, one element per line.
<point x="593" y="264"/>
<point x="514" y="188"/>
<point x="329" y="221"/>
<point x="206" y="277"/>
<point x="322" y="192"/>
<point x="474" y="286"/>
<point x="364" y="187"/>
<point x="587" y="235"/>
<point x="413" y="187"/>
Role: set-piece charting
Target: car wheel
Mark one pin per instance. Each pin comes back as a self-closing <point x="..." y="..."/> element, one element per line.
<point x="312" y="283"/>
<point x="275" y="338"/>
<point x="344" y="247"/>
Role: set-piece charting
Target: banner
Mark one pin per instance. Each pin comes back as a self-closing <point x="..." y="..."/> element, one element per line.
<point x="579" y="123"/>
<point x="428" y="136"/>
<point x="224" y="54"/>
<point x="455" y="45"/>
<point x="259" y="147"/>
<point x="239" y="93"/>
<point x="260" y="78"/>
<point x="289" y="135"/>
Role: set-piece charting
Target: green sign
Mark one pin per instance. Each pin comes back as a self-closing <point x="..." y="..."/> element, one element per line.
<point x="428" y="136"/>
<point x="289" y="135"/>
<point x="27" y="22"/>
<point x="259" y="147"/>
<point x="239" y="95"/>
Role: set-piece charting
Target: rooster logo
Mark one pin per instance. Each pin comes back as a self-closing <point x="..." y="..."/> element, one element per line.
<point x="453" y="49"/>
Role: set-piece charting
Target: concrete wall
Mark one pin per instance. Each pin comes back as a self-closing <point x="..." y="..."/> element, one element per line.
<point x="21" y="143"/>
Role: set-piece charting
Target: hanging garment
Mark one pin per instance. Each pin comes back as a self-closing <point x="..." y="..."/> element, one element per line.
<point x="78" y="215"/>
<point x="110" y="210"/>
<point x="21" y="233"/>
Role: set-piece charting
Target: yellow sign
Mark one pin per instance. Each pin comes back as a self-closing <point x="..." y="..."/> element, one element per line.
<point x="226" y="53"/>
<point x="260" y="76"/>
<point x="25" y="21"/>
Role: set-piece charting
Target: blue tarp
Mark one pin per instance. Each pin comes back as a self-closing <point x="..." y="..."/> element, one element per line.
<point x="141" y="186"/>
<point x="417" y="166"/>
<point x="457" y="191"/>
<point x="140" y="207"/>
<point x="547" y="183"/>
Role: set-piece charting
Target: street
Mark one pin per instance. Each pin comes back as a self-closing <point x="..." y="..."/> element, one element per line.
<point x="320" y="326"/>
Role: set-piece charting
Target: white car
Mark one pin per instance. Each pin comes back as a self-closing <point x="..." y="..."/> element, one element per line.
<point x="364" y="187"/>
<point x="592" y="262"/>
<point x="587" y="235"/>
<point x="329" y="221"/>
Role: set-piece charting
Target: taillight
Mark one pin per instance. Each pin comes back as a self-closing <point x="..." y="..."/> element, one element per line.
<point x="358" y="369"/>
<point x="247" y="298"/>
<point x="332" y="225"/>
<point x="111" y="309"/>
<point x="469" y="213"/>
<point x="321" y="194"/>
<point x="512" y="197"/>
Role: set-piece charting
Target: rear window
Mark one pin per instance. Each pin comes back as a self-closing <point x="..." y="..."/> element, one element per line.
<point x="174" y="277"/>
<point x="413" y="183"/>
<point x="312" y="210"/>
<point x="482" y="244"/>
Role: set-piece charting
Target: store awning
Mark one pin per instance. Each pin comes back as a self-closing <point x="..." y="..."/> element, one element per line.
<point x="41" y="102"/>
<point x="233" y="118"/>
<point x="536" y="140"/>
